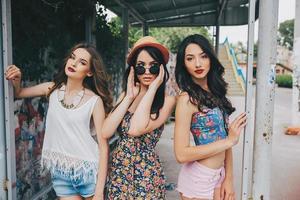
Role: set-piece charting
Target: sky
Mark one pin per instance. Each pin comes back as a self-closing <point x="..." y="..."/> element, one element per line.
<point x="286" y="11"/>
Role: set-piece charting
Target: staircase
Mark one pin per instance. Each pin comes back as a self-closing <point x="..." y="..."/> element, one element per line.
<point x="234" y="87"/>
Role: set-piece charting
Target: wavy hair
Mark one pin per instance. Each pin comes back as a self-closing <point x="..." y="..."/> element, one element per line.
<point x="216" y="83"/>
<point x="98" y="82"/>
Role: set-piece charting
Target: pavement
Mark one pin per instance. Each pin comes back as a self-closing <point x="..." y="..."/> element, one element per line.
<point x="285" y="180"/>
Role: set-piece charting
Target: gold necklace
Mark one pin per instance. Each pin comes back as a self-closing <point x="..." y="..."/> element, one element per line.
<point x="76" y="100"/>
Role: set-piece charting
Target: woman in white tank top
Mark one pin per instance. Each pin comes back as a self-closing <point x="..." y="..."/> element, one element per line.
<point x="79" y="99"/>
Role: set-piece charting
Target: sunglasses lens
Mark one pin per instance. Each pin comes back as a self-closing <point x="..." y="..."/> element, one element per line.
<point x="154" y="69"/>
<point x="139" y="69"/>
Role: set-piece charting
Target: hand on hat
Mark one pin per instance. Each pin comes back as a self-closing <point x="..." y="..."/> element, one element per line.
<point x="159" y="79"/>
<point x="133" y="89"/>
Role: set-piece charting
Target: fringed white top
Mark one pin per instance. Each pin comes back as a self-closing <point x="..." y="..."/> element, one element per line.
<point x="68" y="144"/>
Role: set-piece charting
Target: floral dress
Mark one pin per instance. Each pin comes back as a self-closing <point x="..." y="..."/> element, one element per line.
<point x="135" y="170"/>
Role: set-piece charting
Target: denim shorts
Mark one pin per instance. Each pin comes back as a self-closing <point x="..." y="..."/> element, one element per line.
<point x="67" y="184"/>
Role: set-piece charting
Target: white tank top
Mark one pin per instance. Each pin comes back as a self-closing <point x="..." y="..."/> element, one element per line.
<point x="68" y="144"/>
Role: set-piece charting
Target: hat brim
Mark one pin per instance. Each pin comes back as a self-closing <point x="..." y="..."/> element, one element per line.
<point x="160" y="47"/>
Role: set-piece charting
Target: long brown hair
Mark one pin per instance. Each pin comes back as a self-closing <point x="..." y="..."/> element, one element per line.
<point x="98" y="82"/>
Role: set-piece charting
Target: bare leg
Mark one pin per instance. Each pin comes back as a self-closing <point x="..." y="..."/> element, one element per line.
<point x="185" y="198"/>
<point x="71" y="198"/>
<point x="217" y="194"/>
<point x="88" y="198"/>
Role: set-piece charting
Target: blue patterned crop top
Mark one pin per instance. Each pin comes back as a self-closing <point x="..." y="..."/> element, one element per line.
<point x="208" y="126"/>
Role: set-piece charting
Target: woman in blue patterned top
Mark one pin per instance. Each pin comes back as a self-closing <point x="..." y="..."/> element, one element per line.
<point x="203" y="109"/>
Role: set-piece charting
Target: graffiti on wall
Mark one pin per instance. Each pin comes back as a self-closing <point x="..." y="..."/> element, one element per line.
<point x="29" y="116"/>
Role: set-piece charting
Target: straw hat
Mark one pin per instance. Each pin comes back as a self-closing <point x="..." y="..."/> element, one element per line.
<point x="149" y="42"/>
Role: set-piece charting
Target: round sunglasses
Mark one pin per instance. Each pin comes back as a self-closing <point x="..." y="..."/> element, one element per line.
<point x="140" y="69"/>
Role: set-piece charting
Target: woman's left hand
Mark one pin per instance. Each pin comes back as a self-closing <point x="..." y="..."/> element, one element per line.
<point x="227" y="190"/>
<point x="159" y="79"/>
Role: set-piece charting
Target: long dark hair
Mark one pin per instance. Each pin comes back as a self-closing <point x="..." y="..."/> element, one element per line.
<point x="216" y="83"/>
<point x="159" y="98"/>
<point x="98" y="82"/>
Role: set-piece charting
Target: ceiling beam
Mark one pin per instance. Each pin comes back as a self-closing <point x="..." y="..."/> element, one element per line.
<point x="174" y="4"/>
<point x="203" y="6"/>
<point x="178" y="7"/>
<point x="166" y="19"/>
<point x="131" y="10"/>
<point x="220" y="10"/>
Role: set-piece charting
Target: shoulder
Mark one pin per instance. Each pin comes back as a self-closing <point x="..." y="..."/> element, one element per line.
<point x="49" y="85"/>
<point x="89" y="94"/>
<point x="184" y="103"/>
<point x="183" y="98"/>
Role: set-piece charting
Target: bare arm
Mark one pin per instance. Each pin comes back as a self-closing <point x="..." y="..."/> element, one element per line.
<point x="141" y="121"/>
<point x="115" y="117"/>
<point x="186" y="153"/>
<point x="13" y="74"/>
<point x="227" y="188"/>
<point x="229" y="163"/>
<point x="98" y="117"/>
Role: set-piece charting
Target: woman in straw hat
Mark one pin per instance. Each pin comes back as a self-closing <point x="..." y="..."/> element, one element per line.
<point x="139" y="117"/>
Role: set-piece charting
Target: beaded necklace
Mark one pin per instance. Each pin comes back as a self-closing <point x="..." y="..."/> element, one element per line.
<point x="75" y="101"/>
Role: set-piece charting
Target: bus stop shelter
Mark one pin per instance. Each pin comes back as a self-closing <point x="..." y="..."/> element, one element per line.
<point x="176" y="13"/>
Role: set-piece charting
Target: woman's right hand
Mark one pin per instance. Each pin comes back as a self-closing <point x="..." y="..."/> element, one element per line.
<point x="236" y="127"/>
<point x="132" y="88"/>
<point x="14" y="74"/>
<point x="159" y="79"/>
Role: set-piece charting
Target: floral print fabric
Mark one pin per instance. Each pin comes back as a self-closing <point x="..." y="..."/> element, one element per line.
<point x="208" y="126"/>
<point x="135" y="170"/>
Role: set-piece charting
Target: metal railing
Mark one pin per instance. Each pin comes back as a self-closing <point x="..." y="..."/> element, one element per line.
<point x="236" y="68"/>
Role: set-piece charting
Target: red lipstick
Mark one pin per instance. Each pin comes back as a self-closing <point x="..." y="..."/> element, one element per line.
<point x="199" y="71"/>
<point x="70" y="69"/>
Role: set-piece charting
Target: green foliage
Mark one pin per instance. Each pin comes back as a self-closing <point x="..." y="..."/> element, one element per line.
<point x="284" y="81"/>
<point x="42" y="32"/>
<point x="239" y="47"/>
<point x="171" y="37"/>
<point x="286" y="33"/>
<point x="109" y="43"/>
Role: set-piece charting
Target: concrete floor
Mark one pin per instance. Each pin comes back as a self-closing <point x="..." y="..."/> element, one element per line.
<point x="285" y="180"/>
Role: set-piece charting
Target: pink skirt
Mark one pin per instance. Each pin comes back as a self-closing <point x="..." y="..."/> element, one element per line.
<point x="198" y="181"/>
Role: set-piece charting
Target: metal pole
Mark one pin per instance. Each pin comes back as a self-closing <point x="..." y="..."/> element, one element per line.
<point x="90" y="25"/>
<point x="88" y="29"/>
<point x="217" y="38"/>
<point x="145" y="29"/>
<point x="248" y="134"/>
<point x="3" y="192"/>
<point x="10" y="183"/>
<point x="296" y="71"/>
<point x="264" y="109"/>
<point x="125" y="33"/>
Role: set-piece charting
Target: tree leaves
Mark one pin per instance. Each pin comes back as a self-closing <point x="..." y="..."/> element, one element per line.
<point x="286" y="33"/>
